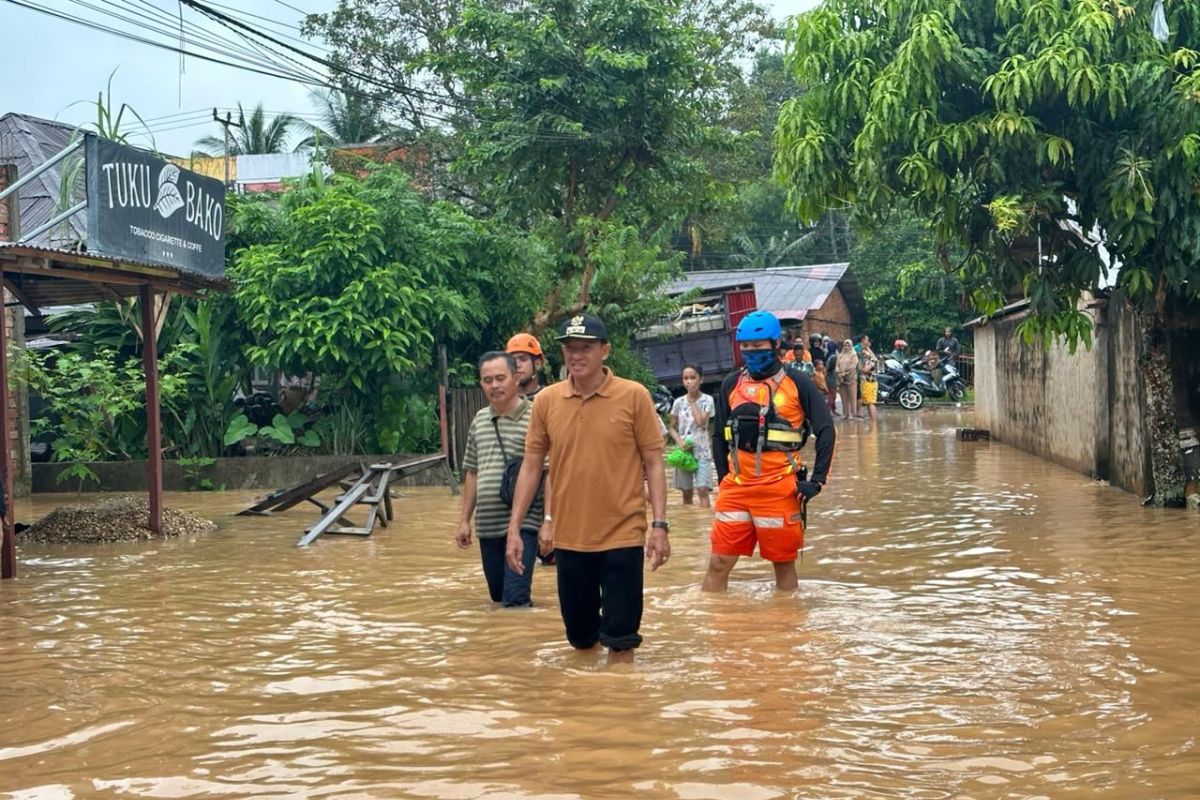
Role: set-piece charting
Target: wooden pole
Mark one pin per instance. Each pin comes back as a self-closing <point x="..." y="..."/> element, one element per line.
<point x="154" y="459"/>
<point x="443" y="380"/>
<point x="8" y="547"/>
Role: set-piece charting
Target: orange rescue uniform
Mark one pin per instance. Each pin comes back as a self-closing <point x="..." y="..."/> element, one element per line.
<point x="756" y="502"/>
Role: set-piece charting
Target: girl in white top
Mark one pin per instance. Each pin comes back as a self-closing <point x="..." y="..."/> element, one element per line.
<point x="690" y="416"/>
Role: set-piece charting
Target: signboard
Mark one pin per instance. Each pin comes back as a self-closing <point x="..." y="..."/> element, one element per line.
<point x="145" y="209"/>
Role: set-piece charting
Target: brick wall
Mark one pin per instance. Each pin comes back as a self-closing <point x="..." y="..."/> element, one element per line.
<point x="832" y="319"/>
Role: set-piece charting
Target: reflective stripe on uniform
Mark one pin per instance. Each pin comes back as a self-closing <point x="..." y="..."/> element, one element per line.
<point x="768" y="522"/>
<point x="773" y="435"/>
<point x="732" y="516"/>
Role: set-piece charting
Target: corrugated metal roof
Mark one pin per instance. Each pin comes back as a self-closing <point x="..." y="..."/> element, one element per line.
<point x="42" y="277"/>
<point x="27" y="142"/>
<point x="787" y="292"/>
<point x="75" y="253"/>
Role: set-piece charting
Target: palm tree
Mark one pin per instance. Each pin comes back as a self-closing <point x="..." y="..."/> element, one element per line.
<point x="256" y="134"/>
<point x="346" y="118"/>
<point x="766" y="253"/>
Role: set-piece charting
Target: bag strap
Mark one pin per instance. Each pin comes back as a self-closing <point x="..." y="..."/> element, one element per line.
<point x="499" y="438"/>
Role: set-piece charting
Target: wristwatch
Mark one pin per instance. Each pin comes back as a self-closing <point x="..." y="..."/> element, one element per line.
<point x="661" y="524"/>
<point x="547" y="518"/>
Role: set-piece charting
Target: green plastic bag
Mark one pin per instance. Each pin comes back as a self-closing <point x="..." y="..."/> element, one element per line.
<point x="682" y="459"/>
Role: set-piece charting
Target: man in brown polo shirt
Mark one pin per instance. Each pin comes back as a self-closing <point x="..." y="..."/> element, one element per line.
<point x="602" y="434"/>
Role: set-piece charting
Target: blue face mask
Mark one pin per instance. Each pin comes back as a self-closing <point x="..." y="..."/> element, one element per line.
<point x="759" y="362"/>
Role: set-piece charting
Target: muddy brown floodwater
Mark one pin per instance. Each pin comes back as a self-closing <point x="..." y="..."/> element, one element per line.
<point x="972" y="622"/>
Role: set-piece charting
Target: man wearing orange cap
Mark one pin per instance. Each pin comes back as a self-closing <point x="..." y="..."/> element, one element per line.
<point x="527" y="350"/>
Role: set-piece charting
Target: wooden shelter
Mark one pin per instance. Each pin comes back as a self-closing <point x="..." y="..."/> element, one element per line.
<point x="38" y="277"/>
<point x="153" y="230"/>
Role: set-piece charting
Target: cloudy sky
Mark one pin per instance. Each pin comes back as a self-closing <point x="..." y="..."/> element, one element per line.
<point x="67" y="64"/>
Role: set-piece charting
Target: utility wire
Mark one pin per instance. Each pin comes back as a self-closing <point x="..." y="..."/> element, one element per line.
<point x="258" y="66"/>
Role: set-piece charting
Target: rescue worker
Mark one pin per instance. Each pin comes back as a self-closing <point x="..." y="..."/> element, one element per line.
<point x="764" y="413"/>
<point x="527" y="351"/>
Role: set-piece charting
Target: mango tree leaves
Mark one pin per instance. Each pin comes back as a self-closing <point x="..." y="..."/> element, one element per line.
<point x="1029" y="131"/>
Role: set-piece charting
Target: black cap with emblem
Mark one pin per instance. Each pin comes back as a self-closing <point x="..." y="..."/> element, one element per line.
<point x="583" y="326"/>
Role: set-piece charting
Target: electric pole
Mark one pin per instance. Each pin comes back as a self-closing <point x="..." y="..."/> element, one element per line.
<point x="226" y="124"/>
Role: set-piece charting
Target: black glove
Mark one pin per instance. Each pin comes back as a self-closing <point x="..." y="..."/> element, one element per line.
<point x="807" y="489"/>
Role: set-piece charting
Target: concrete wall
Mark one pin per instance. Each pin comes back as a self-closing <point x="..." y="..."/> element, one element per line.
<point x="1129" y="439"/>
<point x="1082" y="410"/>
<point x="266" y="472"/>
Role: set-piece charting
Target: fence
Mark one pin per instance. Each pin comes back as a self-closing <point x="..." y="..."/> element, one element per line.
<point x="464" y="405"/>
<point x="966" y="368"/>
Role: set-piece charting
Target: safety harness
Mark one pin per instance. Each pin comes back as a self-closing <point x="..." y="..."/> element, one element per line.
<point x="754" y="426"/>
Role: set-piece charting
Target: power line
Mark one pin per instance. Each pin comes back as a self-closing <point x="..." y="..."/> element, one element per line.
<point x="403" y="90"/>
<point x="276" y="23"/>
<point x="268" y="69"/>
<point x="293" y="8"/>
<point x="142" y="40"/>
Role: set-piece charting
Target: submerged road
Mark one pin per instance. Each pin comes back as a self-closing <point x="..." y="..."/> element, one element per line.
<point x="972" y="622"/>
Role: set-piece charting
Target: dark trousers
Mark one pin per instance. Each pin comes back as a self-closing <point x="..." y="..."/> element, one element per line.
<point x="504" y="585"/>
<point x="600" y="596"/>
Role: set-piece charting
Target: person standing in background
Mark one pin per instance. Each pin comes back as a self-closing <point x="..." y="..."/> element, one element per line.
<point x="948" y="346"/>
<point x="831" y="376"/>
<point x="690" y="416"/>
<point x="867" y="366"/>
<point x="847" y="379"/>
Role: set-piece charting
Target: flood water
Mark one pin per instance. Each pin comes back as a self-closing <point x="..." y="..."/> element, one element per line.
<point x="971" y="622"/>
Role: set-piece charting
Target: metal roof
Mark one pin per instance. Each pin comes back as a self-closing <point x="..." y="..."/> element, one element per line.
<point x="40" y="277"/>
<point x="787" y="292"/>
<point x="27" y="142"/>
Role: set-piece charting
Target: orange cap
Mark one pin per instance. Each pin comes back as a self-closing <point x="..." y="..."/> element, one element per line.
<point x="524" y="343"/>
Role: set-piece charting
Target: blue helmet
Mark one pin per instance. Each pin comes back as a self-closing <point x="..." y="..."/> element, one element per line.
<point x="759" y="325"/>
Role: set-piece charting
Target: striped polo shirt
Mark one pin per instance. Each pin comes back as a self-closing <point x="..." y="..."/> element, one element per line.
<point x="485" y="458"/>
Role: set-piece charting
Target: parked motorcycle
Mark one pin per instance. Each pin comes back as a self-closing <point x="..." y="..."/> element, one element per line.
<point x="909" y="383"/>
<point x="951" y="385"/>
<point x="898" y="385"/>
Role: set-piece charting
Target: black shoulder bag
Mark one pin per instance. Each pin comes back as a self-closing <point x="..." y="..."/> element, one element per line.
<point x="512" y="468"/>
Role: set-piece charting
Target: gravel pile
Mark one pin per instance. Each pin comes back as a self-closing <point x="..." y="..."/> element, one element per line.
<point x="118" y="519"/>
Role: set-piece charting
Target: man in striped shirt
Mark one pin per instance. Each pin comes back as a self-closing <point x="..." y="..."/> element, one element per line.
<point x="497" y="435"/>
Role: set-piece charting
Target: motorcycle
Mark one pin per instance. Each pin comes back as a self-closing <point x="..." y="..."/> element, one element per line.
<point x="908" y="383"/>
<point x="951" y="384"/>
<point x="897" y="384"/>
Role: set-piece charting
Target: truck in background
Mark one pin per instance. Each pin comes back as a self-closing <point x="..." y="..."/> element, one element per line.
<point x="701" y="333"/>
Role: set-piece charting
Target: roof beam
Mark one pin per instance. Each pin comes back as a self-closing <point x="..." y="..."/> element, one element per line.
<point x="19" y="293"/>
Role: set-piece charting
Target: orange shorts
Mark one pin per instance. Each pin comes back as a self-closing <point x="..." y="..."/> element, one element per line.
<point x="766" y="514"/>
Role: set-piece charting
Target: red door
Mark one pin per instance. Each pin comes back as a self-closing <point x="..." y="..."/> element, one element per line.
<point x="738" y="303"/>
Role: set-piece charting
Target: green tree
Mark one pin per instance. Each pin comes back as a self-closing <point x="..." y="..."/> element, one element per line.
<point x="347" y="117"/>
<point x="908" y="294"/>
<point x="358" y="280"/>
<point x="1030" y="132"/>
<point x="343" y="294"/>
<point x="257" y="134"/>
<point x="588" y="112"/>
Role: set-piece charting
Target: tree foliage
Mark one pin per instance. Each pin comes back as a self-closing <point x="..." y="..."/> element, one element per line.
<point x="347" y="117"/>
<point x="255" y="135"/>
<point x="1029" y="131"/>
<point x="352" y="291"/>
<point x="588" y="112"/>
<point x="908" y="294"/>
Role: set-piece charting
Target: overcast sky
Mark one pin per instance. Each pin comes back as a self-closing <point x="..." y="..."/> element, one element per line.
<point x="60" y="62"/>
